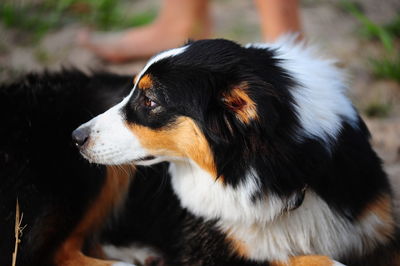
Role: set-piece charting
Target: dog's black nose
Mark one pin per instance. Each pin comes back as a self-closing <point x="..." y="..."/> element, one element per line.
<point x="80" y="136"/>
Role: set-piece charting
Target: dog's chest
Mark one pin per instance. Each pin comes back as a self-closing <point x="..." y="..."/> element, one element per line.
<point x="210" y="198"/>
<point x="260" y="227"/>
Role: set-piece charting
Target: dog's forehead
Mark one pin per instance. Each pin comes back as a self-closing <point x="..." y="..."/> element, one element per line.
<point x="157" y="58"/>
<point x="214" y="53"/>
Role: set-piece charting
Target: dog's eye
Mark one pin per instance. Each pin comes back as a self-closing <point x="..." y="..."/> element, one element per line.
<point x="149" y="103"/>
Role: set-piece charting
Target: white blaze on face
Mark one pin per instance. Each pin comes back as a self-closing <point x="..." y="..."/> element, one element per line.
<point x="110" y="141"/>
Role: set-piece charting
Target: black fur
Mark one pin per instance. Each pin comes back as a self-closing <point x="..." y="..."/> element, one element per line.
<point x="39" y="163"/>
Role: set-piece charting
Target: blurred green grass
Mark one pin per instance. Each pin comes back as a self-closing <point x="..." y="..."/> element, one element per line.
<point x="377" y="109"/>
<point x="387" y="67"/>
<point x="36" y="18"/>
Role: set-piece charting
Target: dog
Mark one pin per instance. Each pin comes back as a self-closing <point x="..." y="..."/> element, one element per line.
<point x="266" y="155"/>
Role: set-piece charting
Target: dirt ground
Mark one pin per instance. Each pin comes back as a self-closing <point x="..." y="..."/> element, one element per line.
<point x="325" y="24"/>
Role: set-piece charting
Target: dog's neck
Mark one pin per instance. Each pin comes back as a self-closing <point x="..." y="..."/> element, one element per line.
<point x="211" y="198"/>
<point x="263" y="228"/>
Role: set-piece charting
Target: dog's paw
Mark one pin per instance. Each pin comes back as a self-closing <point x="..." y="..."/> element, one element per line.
<point x="123" y="264"/>
<point x="136" y="254"/>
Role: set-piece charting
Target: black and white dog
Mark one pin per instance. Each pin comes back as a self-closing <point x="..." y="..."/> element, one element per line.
<point x="267" y="157"/>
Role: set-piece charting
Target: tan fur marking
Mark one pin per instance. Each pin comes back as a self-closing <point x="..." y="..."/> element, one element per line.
<point x="239" y="101"/>
<point x="183" y="139"/>
<point x="311" y="260"/>
<point x="115" y="184"/>
<point x="145" y="82"/>
<point x="135" y="79"/>
<point x="382" y="207"/>
<point x="238" y="247"/>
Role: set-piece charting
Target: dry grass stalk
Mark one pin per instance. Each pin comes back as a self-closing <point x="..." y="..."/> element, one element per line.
<point x="18" y="232"/>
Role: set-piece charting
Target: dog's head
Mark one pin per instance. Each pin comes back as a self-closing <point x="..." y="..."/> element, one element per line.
<point x="222" y="106"/>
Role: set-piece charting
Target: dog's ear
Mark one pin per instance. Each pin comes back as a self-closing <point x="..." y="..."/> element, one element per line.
<point x="238" y="101"/>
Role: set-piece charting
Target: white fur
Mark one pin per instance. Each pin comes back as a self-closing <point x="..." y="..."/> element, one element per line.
<point x="320" y="100"/>
<point x="210" y="198"/>
<point x="132" y="254"/>
<point x="313" y="228"/>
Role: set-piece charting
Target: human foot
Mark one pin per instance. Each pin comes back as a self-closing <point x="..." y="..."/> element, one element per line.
<point x="178" y="21"/>
<point x="132" y="44"/>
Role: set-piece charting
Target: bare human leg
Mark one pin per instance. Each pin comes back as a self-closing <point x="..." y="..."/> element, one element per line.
<point x="278" y="17"/>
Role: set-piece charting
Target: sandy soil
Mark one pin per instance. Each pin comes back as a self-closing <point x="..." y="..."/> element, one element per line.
<point x="325" y="24"/>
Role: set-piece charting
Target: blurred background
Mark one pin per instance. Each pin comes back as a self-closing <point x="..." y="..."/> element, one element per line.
<point x="364" y="35"/>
